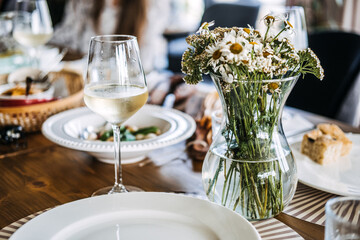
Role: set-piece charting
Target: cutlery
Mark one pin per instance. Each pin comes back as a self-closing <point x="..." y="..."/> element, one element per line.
<point x="43" y="75"/>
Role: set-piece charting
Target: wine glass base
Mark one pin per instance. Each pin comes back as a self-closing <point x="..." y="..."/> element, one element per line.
<point x="107" y="190"/>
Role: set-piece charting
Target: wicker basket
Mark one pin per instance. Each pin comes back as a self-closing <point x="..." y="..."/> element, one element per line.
<point x="31" y="117"/>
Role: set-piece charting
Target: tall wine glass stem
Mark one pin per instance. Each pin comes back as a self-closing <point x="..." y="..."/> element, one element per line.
<point x="118" y="186"/>
<point x="33" y="54"/>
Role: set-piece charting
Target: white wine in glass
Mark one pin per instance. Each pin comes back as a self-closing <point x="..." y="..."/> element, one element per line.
<point x="116" y="103"/>
<point x="30" y="39"/>
<point x="115" y="88"/>
<point x="32" y="26"/>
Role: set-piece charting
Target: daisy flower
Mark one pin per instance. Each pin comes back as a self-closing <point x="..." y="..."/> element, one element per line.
<point x="214" y="52"/>
<point x="271" y="88"/>
<point x="236" y="48"/>
<point x="257" y="46"/>
<point x="269" y="20"/>
<point x="204" y="28"/>
<point x="226" y="73"/>
<point x="244" y="53"/>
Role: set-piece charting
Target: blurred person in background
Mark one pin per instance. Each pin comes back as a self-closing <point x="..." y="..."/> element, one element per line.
<point x="145" y="19"/>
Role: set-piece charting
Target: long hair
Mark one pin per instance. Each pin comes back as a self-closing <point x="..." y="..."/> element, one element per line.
<point x="132" y="20"/>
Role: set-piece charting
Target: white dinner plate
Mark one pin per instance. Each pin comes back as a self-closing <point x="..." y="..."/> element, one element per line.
<point x="138" y="215"/>
<point x="64" y="129"/>
<point x="341" y="177"/>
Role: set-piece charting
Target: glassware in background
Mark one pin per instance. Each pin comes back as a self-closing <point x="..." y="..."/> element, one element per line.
<point x="115" y="88"/>
<point x="32" y="26"/>
<point x="342" y="218"/>
<point x="6" y="43"/>
<point x="296" y="17"/>
<point x="10" y="55"/>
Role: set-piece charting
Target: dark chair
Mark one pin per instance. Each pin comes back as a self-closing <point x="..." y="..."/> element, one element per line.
<point x="238" y="14"/>
<point x="339" y="54"/>
<point x="232" y="14"/>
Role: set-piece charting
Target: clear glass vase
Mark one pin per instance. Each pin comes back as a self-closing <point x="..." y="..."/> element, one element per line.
<point x="249" y="167"/>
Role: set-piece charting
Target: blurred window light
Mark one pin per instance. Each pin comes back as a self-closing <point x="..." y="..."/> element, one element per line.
<point x="185" y="15"/>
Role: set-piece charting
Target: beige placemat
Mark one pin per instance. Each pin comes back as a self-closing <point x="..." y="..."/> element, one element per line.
<point x="308" y="204"/>
<point x="270" y="229"/>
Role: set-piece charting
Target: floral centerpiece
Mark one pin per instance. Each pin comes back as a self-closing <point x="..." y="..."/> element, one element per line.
<point x="249" y="167"/>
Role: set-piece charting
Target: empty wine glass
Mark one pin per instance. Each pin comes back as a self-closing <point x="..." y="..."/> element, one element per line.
<point x="296" y="16"/>
<point x="342" y="218"/>
<point x="32" y="26"/>
<point x="115" y="88"/>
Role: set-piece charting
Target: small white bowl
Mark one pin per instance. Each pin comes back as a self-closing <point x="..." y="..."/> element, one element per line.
<point x="65" y="128"/>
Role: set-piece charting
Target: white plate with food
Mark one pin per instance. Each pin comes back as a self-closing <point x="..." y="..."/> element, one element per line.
<point x="341" y="176"/>
<point x="138" y="215"/>
<point x="15" y="94"/>
<point x="67" y="128"/>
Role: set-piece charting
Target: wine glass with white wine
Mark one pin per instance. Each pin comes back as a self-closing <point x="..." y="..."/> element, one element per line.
<point x="115" y="88"/>
<point x="32" y="26"/>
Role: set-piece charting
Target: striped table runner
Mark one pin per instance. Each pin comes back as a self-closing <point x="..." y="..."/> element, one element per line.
<point x="273" y="229"/>
<point x="7" y="231"/>
<point x="308" y="204"/>
<point x="270" y="229"/>
<point x="348" y="210"/>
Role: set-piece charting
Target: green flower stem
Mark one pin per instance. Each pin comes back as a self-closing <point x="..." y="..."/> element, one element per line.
<point x="267" y="31"/>
<point x="237" y="183"/>
<point x="226" y="186"/>
<point x="252" y="118"/>
<point x="216" y="175"/>
<point x="256" y="193"/>
<point x="282" y="30"/>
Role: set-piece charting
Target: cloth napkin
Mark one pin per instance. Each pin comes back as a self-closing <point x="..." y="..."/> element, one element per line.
<point x="295" y="124"/>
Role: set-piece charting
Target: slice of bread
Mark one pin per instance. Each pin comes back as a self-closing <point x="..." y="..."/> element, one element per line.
<point x="335" y="132"/>
<point x="321" y="148"/>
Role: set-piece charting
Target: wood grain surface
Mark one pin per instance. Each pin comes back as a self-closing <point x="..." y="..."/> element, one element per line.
<point x="40" y="174"/>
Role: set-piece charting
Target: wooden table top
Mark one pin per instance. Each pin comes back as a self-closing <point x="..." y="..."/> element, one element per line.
<point x="43" y="175"/>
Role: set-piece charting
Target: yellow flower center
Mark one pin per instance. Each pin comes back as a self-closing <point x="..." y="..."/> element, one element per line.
<point x="216" y="55"/>
<point x="236" y="48"/>
<point x="273" y="86"/>
<point x="269" y="19"/>
<point x="253" y="43"/>
<point x="204" y="25"/>
<point x="289" y="24"/>
<point x="247" y="30"/>
<point x="266" y="54"/>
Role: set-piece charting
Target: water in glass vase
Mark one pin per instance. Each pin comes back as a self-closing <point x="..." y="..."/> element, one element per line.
<point x="255" y="189"/>
<point x="115" y="102"/>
